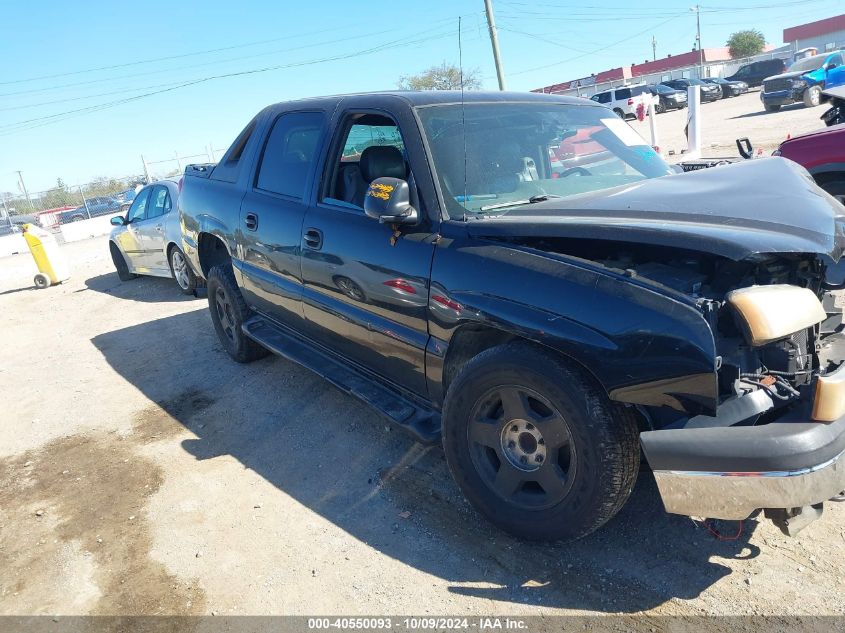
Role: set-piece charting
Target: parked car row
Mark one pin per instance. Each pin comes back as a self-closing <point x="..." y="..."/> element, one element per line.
<point x="669" y="95"/>
<point x="93" y="207"/>
<point x="804" y="81"/>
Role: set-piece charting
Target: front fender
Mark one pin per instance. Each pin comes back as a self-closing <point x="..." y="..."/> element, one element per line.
<point x="642" y="345"/>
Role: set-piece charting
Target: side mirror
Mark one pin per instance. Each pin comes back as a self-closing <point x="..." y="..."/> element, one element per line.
<point x="388" y="200"/>
<point x="118" y="220"/>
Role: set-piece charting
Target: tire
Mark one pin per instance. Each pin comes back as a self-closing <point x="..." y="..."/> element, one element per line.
<point x="228" y="313"/>
<point x="659" y="108"/>
<point x="619" y="113"/>
<point x="41" y="281"/>
<point x="836" y="188"/>
<point x="120" y="264"/>
<point x="812" y="96"/>
<point x="181" y="271"/>
<point x="771" y="108"/>
<point x="578" y="453"/>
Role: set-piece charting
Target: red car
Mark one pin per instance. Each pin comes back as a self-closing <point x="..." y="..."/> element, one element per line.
<point x="822" y="153"/>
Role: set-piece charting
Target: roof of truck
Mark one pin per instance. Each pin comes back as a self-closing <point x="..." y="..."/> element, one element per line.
<point x="433" y="97"/>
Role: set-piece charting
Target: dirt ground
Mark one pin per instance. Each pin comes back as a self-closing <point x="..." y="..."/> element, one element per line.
<point x="143" y="472"/>
<point x="726" y="120"/>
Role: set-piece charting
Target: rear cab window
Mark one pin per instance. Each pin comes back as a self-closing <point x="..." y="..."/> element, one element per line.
<point x="290" y="153"/>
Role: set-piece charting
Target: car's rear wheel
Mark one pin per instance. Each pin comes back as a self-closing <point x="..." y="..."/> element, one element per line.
<point x="182" y="273"/>
<point x="812" y="96"/>
<point x="228" y="313"/>
<point x="535" y="444"/>
<point x="120" y="264"/>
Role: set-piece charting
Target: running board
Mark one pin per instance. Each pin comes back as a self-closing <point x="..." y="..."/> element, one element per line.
<point x="421" y="422"/>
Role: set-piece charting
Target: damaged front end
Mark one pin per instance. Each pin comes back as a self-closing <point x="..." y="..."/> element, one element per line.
<point x="777" y="439"/>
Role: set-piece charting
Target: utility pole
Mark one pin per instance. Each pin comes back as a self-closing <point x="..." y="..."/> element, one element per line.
<point x="25" y="192"/>
<point x="146" y="170"/>
<point x="653" y="49"/>
<point x="697" y="10"/>
<point x="494" y="40"/>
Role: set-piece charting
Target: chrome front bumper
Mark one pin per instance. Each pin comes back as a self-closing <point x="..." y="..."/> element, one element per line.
<point x="735" y="495"/>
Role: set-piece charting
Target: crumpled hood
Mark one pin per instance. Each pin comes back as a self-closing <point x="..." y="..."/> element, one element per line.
<point x="767" y="205"/>
<point x="792" y="75"/>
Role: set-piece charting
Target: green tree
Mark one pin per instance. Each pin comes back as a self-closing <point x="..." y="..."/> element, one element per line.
<point x="442" y="77"/>
<point x="746" y="43"/>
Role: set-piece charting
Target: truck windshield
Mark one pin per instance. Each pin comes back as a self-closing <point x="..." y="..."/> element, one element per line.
<point x="491" y="156"/>
<point x="808" y="64"/>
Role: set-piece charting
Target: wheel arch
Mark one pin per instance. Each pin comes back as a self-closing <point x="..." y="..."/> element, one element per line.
<point x="212" y="250"/>
<point x="471" y="339"/>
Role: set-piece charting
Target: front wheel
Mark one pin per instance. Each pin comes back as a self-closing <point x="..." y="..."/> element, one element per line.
<point x="228" y="313"/>
<point x="812" y="96"/>
<point x="535" y="444"/>
<point x="182" y="273"/>
<point x="619" y="113"/>
<point x="770" y="107"/>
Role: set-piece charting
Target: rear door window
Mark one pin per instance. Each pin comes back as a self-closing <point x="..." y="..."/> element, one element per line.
<point x="290" y="153"/>
<point x="159" y="202"/>
<point x="623" y="93"/>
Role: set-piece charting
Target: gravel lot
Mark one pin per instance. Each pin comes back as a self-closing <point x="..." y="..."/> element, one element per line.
<point x="726" y="120"/>
<point x="143" y="472"/>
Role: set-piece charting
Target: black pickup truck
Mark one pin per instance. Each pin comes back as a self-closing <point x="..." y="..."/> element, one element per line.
<point x="522" y="277"/>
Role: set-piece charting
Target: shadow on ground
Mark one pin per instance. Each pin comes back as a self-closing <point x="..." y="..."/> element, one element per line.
<point x="142" y="288"/>
<point x="334" y="455"/>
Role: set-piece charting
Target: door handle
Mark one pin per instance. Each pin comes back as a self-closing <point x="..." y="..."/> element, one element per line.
<point x="158" y="228"/>
<point x="251" y="221"/>
<point x="313" y="239"/>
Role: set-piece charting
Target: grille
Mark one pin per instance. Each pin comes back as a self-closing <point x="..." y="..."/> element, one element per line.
<point x="776" y="84"/>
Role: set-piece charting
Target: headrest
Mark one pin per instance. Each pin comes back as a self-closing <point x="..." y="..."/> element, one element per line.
<point x="381" y="161"/>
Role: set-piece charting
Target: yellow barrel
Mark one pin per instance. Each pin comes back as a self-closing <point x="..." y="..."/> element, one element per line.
<point x="51" y="263"/>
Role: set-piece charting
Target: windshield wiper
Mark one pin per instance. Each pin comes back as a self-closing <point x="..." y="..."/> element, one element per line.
<point x="541" y="197"/>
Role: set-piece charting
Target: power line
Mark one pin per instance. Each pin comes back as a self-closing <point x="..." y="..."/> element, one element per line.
<point x="598" y="50"/>
<point x="28" y="124"/>
<point x="204" y="64"/>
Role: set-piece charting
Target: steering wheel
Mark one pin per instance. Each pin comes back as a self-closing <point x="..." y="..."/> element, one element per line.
<point x="575" y="170"/>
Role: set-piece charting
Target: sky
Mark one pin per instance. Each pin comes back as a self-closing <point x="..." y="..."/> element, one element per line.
<point x="87" y="88"/>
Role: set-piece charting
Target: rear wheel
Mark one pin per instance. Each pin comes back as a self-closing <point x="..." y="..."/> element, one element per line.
<point x="120" y="264"/>
<point x="228" y="313"/>
<point x="536" y="446"/>
<point x="812" y="96"/>
<point x="182" y="273"/>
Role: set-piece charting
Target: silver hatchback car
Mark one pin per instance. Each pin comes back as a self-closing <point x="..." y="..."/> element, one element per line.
<point x="148" y="240"/>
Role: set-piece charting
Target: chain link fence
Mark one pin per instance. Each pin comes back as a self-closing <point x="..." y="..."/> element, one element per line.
<point x="64" y="203"/>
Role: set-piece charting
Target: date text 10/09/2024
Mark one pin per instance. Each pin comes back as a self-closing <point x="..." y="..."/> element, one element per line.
<point x="417" y="624"/>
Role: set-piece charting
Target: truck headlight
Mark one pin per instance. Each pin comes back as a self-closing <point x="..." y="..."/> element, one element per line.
<point x="773" y="312"/>
<point x="799" y="83"/>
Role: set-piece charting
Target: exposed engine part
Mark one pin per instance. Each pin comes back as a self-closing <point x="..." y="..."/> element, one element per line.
<point x="793" y="520"/>
<point x="683" y="280"/>
<point x="776" y="386"/>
